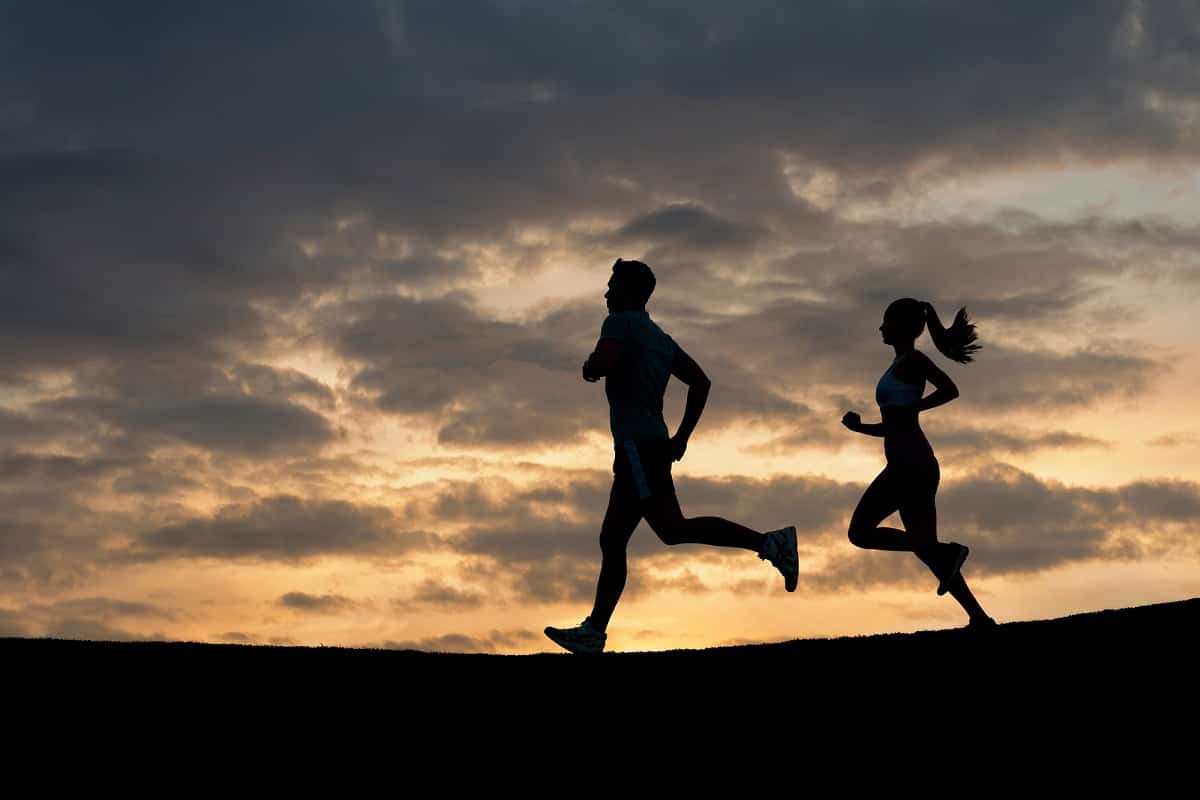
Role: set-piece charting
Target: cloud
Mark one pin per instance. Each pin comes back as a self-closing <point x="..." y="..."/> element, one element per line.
<point x="1014" y="522"/>
<point x="478" y="380"/>
<point x="688" y="226"/>
<point x="90" y="618"/>
<point x="12" y="623"/>
<point x="946" y="440"/>
<point x="283" y="528"/>
<point x="316" y="604"/>
<point x="1180" y="439"/>
<point x="436" y="595"/>
<point x="368" y="184"/>
<point x="468" y="643"/>
<point x="1010" y="440"/>
<point x="106" y="608"/>
<point x="89" y="629"/>
<point x="265" y="381"/>
<point x="148" y="405"/>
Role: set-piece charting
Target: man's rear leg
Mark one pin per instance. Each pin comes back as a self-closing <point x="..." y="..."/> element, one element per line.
<point x="666" y="519"/>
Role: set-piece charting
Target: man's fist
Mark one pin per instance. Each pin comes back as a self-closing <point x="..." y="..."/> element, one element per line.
<point x="589" y="374"/>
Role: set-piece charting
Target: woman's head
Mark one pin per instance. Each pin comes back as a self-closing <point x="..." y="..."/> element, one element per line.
<point x="905" y="319"/>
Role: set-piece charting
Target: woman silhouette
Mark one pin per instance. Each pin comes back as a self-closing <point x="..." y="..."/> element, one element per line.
<point x="909" y="481"/>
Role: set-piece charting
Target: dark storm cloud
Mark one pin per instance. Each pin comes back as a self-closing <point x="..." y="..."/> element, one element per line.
<point x="284" y="528"/>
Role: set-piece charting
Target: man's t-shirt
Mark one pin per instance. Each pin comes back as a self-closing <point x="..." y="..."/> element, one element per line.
<point x="635" y="389"/>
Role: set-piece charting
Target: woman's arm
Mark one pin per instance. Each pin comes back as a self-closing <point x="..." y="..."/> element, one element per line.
<point x="944" y="388"/>
<point x="854" y="422"/>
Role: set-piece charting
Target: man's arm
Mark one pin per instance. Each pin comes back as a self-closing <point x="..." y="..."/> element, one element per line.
<point x="603" y="360"/>
<point x="688" y="371"/>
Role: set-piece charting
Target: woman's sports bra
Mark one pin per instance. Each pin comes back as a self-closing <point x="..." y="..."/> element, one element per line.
<point x="892" y="391"/>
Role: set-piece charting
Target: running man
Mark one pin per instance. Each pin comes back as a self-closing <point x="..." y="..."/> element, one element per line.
<point x="636" y="359"/>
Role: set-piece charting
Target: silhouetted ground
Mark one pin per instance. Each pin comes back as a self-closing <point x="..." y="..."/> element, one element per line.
<point x="1084" y="670"/>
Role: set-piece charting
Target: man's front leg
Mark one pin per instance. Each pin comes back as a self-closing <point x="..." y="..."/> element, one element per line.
<point x="620" y="521"/>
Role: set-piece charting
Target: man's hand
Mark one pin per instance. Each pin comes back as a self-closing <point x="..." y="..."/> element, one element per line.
<point x="852" y="420"/>
<point x="589" y="373"/>
<point x="677" y="447"/>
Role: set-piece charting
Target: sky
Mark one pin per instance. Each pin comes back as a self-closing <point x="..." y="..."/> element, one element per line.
<point x="294" y="297"/>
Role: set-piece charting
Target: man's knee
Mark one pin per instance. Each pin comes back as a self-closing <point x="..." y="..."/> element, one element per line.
<point x="671" y="530"/>
<point x="666" y="519"/>
<point x="613" y="541"/>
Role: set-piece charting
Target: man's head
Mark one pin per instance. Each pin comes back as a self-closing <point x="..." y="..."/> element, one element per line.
<point x="630" y="286"/>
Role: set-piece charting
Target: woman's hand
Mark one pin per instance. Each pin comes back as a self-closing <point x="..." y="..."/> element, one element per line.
<point x="677" y="447"/>
<point x="852" y="420"/>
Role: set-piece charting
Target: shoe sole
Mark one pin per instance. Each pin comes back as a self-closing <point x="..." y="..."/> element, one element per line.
<point x="944" y="584"/>
<point x="571" y="647"/>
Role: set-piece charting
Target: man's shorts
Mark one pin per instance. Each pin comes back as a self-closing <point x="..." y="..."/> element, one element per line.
<point x="642" y="468"/>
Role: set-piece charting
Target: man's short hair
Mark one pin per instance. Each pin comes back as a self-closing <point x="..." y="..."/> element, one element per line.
<point x="637" y="276"/>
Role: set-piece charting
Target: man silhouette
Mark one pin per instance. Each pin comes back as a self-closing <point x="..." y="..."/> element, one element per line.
<point x="637" y="358"/>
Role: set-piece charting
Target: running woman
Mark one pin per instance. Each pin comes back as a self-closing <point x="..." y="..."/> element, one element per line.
<point x="909" y="482"/>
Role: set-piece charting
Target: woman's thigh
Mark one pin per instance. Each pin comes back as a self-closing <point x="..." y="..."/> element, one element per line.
<point x="879" y="501"/>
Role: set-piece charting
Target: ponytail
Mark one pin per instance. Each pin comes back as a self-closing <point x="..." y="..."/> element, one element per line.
<point x="956" y="342"/>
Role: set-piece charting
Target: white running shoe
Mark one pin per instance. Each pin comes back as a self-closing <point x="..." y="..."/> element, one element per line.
<point x="583" y="639"/>
<point x="780" y="550"/>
